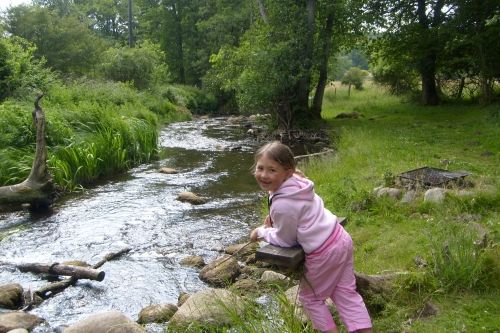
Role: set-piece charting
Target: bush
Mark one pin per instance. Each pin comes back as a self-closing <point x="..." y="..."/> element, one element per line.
<point x="141" y="65"/>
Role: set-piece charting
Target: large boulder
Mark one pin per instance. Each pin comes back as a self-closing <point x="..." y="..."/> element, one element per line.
<point x="209" y="306"/>
<point x="12" y="320"/>
<point x="11" y="296"/>
<point x="105" y="322"/>
<point x="220" y="272"/>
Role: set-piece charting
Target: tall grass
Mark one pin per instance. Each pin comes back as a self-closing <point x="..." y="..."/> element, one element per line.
<point x="94" y="129"/>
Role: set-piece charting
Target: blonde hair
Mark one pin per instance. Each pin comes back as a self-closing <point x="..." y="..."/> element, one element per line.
<point x="278" y="152"/>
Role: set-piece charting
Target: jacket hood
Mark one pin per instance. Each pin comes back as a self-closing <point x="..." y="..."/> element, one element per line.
<point x="295" y="187"/>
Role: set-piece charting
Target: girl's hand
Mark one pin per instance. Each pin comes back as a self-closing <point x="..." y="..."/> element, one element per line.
<point x="254" y="235"/>
<point x="268" y="223"/>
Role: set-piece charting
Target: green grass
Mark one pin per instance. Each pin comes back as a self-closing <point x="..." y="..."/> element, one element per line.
<point x="392" y="136"/>
<point x="94" y="130"/>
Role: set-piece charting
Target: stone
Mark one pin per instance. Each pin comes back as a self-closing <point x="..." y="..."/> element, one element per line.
<point x="271" y="276"/>
<point x="394" y="193"/>
<point x="11" y="296"/>
<point x="220" y="272"/>
<point x="193" y="261"/>
<point x="409" y="196"/>
<point x="156" y="313"/>
<point x="182" y="298"/>
<point x="246" y="285"/>
<point x="435" y="195"/>
<point x="168" y="171"/>
<point x="241" y="250"/>
<point x="209" y="306"/>
<point x="106" y="322"/>
<point x="19" y="330"/>
<point x="13" y="320"/>
<point x="191" y="198"/>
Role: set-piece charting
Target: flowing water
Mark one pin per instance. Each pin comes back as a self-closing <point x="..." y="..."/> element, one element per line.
<point x="139" y="210"/>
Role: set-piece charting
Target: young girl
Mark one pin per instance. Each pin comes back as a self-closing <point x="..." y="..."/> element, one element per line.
<point x="297" y="216"/>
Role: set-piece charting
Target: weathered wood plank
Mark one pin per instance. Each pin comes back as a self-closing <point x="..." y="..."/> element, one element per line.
<point x="286" y="257"/>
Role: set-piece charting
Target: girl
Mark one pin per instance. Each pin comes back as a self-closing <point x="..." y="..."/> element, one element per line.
<point x="297" y="216"/>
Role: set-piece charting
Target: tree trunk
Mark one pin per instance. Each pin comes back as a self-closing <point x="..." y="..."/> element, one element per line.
<point x="427" y="65"/>
<point x="429" y="90"/>
<point x="37" y="189"/>
<point x="323" y="69"/>
<point x="262" y="11"/>
<point x="177" y="14"/>
<point x="303" y="87"/>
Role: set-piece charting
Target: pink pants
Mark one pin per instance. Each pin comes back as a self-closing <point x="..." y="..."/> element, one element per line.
<point x="329" y="273"/>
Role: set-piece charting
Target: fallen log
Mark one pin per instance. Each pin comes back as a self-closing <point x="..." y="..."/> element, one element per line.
<point x="66" y="270"/>
<point x="54" y="288"/>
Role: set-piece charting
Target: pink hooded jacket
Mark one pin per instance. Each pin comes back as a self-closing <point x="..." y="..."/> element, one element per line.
<point x="298" y="215"/>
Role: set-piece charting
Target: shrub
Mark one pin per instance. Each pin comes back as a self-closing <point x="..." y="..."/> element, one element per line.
<point x="141" y="65"/>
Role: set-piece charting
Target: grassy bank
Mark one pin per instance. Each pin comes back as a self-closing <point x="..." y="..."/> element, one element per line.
<point x="388" y="137"/>
<point x="95" y="129"/>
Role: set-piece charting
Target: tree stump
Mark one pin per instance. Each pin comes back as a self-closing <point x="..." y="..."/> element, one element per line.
<point x="38" y="189"/>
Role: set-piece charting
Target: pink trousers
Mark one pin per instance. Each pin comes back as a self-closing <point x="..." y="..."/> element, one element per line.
<point x="329" y="273"/>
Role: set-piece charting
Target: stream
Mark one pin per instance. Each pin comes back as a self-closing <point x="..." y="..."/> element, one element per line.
<point x="139" y="210"/>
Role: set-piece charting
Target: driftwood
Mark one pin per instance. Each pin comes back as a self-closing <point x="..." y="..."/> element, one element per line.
<point x="37" y="189"/>
<point x="59" y="269"/>
<point x="56" y="287"/>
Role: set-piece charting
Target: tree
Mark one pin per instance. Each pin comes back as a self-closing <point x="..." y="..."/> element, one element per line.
<point x="20" y="71"/>
<point x="437" y="38"/>
<point x="414" y="28"/>
<point x="283" y="56"/>
<point x="65" y="42"/>
<point x="354" y="76"/>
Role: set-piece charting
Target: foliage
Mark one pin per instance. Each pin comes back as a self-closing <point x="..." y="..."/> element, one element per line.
<point x="141" y="65"/>
<point x="394" y="72"/>
<point x="94" y="129"/>
<point x="448" y="43"/>
<point x="64" y="41"/>
<point x="20" y="72"/>
<point x="355" y="76"/>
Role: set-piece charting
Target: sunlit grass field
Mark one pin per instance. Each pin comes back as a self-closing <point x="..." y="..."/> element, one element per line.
<point x="390" y="136"/>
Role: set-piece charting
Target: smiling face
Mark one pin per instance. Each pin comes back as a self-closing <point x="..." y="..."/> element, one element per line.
<point x="270" y="174"/>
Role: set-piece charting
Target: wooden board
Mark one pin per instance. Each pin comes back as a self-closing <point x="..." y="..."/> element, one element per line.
<point x="286" y="257"/>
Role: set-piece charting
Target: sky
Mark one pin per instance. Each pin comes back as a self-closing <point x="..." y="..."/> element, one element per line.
<point x="4" y="4"/>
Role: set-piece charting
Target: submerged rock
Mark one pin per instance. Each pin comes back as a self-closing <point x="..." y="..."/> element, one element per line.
<point x="191" y="198"/>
